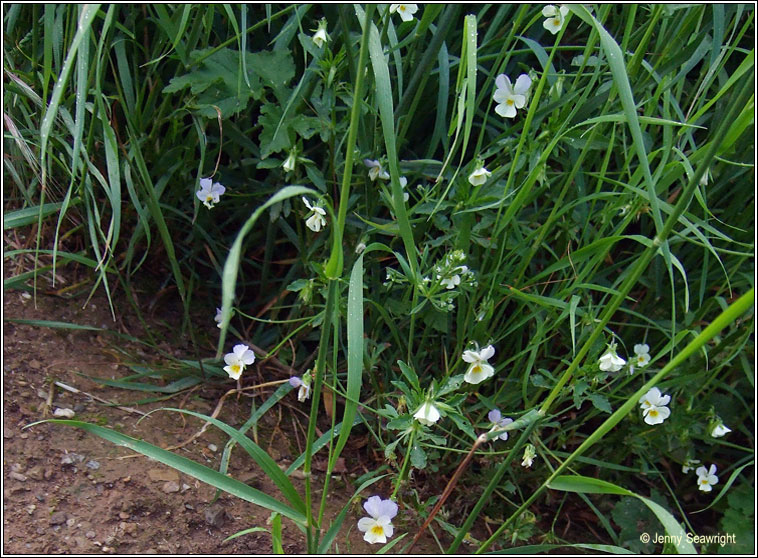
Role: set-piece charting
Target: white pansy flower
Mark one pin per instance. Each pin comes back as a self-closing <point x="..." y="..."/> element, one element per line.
<point x="610" y="361"/>
<point x="556" y="16"/>
<point x="236" y="361"/>
<point x="479" y="176"/>
<point x="209" y="192"/>
<point x="511" y="97"/>
<point x="641" y="355"/>
<point x="218" y="317"/>
<point x="405" y="11"/>
<point x="317" y="220"/>
<point x="320" y="37"/>
<point x="689" y="465"/>
<point x="304" y="385"/>
<point x="427" y="414"/>
<point x="706" y="478"/>
<point x="454" y="280"/>
<point x="379" y="525"/>
<point x="289" y="162"/>
<point x="720" y="430"/>
<point x="530" y="453"/>
<point x="375" y="170"/>
<point x="653" y="404"/>
<point x="498" y="422"/>
<point x="478" y="370"/>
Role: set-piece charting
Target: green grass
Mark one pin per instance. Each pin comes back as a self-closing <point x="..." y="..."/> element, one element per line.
<point x="619" y="209"/>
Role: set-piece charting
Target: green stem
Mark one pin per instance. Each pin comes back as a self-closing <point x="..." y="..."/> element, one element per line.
<point x="406" y="463"/>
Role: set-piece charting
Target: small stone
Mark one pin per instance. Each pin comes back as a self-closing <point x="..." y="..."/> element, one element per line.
<point x="42" y="394"/>
<point x="58" y="518"/>
<point x="123" y="515"/>
<point x="185" y="487"/>
<point x="213" y="447"/>
<point x="34" y="364"/>
<point x="128" y="528"/>
<point x="17" y="476"/>
<point x="17" y="468"/>
<point x="163" y="475"/>
<point x="24" y="436"/>
<point x="170" y="487"/>
<point x="71" y="521"/>
<point x="90" y="534"/>
<point x="25" y="296"/>
<point x="92" y="464"/>
<point x="36" y="473"/>
<point x="72" y="458"/>
<point x="8" y="434"/>
<point x="65" y="413"/>
<point x="30" y="509"/>
<point x="215" y="516"/>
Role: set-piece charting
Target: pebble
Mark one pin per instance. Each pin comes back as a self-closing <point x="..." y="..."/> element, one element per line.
<point x="213" y="447"/>
<point x="170" y="487"/>
<point x="71" y="521"/>
<point x="8" y="434"/>
<point x="72" y="458"/>
<point x="123" y="515"/>
<point x="17" y="476"/>
<point x="30" y="509"/>
<point x="36" y="472"/>
<point x="92" y="464"/>
<point x="90" y="534"/>
<point x="215" y="516"/>
<point x="65" y="413"/>
<point x="58" y="518"/>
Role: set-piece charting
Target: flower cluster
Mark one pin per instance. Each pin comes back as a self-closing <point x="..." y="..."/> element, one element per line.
<point x="236" y="361"/>
<point x="440" y="286"/>
<point x="611" y="362"/>
<point x="378" y="526"/>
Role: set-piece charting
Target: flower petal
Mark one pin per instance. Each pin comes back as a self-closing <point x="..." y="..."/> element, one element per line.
<point x="523" y="83"/>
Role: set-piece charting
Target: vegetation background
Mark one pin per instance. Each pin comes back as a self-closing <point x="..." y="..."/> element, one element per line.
<point x="619" y="209"/>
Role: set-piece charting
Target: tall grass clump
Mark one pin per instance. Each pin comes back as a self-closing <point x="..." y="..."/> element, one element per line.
<point x="512" y="245"/>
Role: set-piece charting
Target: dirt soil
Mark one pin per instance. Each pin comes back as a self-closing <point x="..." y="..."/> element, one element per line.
<point x="71" y="492"/>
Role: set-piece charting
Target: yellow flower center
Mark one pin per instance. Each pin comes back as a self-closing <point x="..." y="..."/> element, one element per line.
<point x="509" y="102"/>
<point x="653" y="413"/>
<point x="235" y="368"/>
<point x="209" y="197"/>
<point x="402" y="9"/>
<point x="703" y="481"/>
<point x="556" y="22"/>
<point x="377" y="530"/>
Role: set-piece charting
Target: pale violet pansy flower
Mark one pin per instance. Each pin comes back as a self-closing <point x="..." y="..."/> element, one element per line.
<point x="689" y="465"/>
<point x="653" y="405"/>
<point x="236" y="361"/>
<point x="479" y="175"/>
<point x="498" y="422"/>
<point x="320" y="37"/>
<point x="405" y="11"/>
<point x="706" y="478"/>
<point x="720" y="430"/>
<point x="641" y="355"/>
<point x="316" y="221"/>
<point x="556" y="16"/>
<point x="610" y="361"/>
<point x="511" y="97"/>
<point x="304" y="385"/>
<point x="289" y="163"/>
<point x="427" y="414"/>
<point x="478" y="370"/>
<point x="378" y="526"/>
<point x="375" y="170"/>
<point x="210" y="192"/>
<point x="530" y="452"/>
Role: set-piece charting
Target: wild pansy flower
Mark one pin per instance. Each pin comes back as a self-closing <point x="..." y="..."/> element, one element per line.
<point x="654" y="408"/>
<point x="316" y="220"/>
<point x="304" y="384"/>
<point x="218" y="317"/>
<point x="320" y="37"/>
<point x="530" y="453"/>
<point x="289" y="163"/>
<point x="706" y="478"/>
<point x="405" y="11"/>
<point x="641" y="355"/>
<point x="427" y="414"/>
<point x="236" y="361"/>
<point x="610" y="361"/>
<point x="497" y="420"/>
<point x="689" y="465"/>
<point x="720" y="430"/>
<point x="556" y="16"/>
<point x="454" y="280"/>
<point x="375" y="170"/>
<point x="478" y="370"/>
<point x="209" y="192"/>
<point x="379" y="525"/>
<point x="511" y="97"/>
<point x="479" y="176"/>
